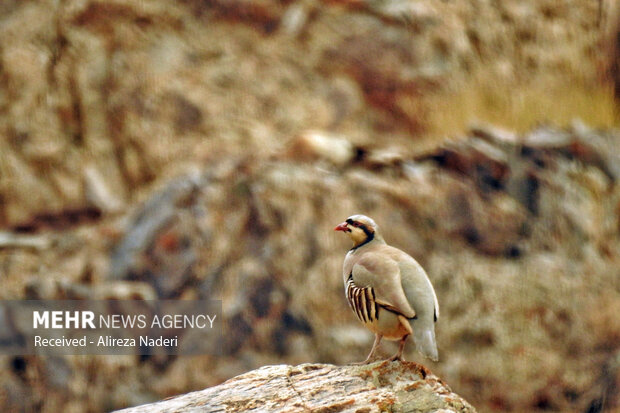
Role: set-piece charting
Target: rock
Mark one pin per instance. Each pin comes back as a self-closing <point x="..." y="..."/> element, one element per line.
<point x="295" y="19"/>
<point x="111" y="290"/>
<point x="264" y="16"/>
<point x="384" y="61"/>
<point x="99" y="192"/>
<point x="547" y="138"/>
<point x="12" y="240"/>
<point x="382" y="386"/>
<point x="155" y="247"/>
<point x="483" y="162"/>
<point x="14" y="390"/>
<point x="384" y="157"/>
<point x="40" y="288"/>
<point x="495" y="135"/>
<point x="319" y="145"/>
<point x="57" y="372"/>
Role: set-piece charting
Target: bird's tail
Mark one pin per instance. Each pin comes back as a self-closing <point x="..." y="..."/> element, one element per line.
<point x="425" y="341"/>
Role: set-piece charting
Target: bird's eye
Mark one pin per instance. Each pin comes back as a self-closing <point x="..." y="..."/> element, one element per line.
<point x="356" y="224"/>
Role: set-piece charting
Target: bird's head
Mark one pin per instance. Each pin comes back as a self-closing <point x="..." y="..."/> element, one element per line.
<point x="360" y="228"/>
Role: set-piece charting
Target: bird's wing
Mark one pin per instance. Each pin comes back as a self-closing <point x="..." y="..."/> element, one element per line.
<point x="418" y="288"/>
<point x="382" y="274"/>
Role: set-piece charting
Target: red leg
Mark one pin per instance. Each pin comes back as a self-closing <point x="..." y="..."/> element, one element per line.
<point x="401" y="347"/>
<point x="375" y="346"/>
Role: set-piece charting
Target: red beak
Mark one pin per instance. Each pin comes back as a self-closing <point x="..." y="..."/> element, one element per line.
<point x="341" y="227"/>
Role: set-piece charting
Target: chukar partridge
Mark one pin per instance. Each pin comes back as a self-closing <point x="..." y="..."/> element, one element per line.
<point x="388" y="290"/>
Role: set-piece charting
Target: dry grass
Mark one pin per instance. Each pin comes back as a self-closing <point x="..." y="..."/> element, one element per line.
<point x="522" y="106"/>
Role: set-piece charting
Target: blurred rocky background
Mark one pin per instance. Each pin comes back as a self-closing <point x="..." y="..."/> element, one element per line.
<point x="207" y="148"/>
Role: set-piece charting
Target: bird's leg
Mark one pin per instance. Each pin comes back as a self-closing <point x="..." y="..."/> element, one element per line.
<point x="373" y="350"/>
<point x="399" y="353"/>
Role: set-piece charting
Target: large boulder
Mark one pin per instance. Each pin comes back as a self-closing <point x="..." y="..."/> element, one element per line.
<point x="396" y="387"/>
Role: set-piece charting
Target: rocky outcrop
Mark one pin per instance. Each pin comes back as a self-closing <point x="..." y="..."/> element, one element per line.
<point x="384" y="386"/>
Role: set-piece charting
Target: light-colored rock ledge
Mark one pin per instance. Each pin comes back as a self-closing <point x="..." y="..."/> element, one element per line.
<point x="378" y="387"/>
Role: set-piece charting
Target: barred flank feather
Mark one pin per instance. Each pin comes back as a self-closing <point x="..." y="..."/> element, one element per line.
<point x="362" y="301"/>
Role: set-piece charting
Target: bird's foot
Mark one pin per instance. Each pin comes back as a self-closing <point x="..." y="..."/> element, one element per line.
<point x="397" y="357"/>
<point x="363" y="363"/>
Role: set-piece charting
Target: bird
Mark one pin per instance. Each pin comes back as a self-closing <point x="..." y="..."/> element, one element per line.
<point x="389" y="292"/>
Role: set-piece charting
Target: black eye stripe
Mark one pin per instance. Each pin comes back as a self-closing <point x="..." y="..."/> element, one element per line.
<point x="355" y="223"/>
